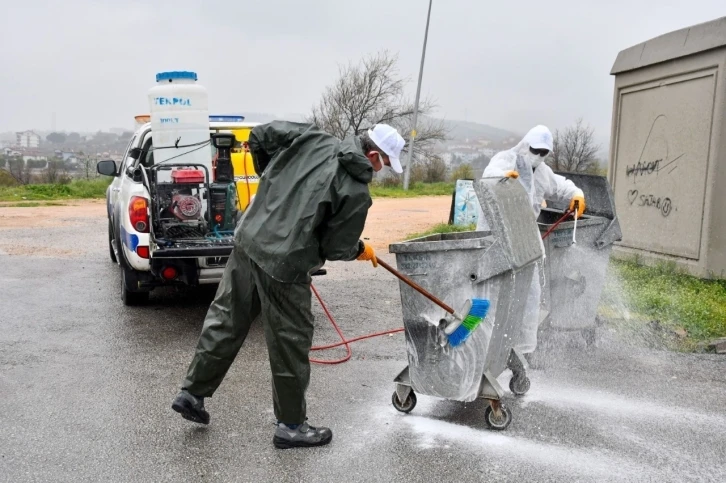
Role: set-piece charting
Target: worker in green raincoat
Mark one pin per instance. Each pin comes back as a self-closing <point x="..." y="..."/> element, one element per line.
<point x="310" y="207"/>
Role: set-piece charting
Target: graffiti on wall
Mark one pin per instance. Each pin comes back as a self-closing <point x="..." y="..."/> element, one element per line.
<point x="645" y="173"/>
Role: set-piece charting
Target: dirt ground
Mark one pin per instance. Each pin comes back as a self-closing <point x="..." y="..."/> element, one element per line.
<point x="389" y="220"/>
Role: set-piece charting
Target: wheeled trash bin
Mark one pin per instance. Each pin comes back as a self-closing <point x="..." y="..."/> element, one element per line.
<point x="497" y="265"/>
<point x="573" y="274"/>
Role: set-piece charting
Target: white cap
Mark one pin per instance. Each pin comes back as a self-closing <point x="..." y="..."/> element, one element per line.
<point x="390" y="142"/>
<point x="539" y="137"/>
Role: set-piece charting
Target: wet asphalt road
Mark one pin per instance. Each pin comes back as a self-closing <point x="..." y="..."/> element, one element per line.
<point x="86" y="386"/>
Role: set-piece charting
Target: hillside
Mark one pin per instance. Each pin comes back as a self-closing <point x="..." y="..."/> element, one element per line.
<point x="473" y="130"/>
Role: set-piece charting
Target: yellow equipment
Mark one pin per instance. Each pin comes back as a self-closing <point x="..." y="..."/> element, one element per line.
<point x="244" y="171"/>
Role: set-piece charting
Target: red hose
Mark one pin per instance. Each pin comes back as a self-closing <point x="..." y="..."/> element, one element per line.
<point x="342" y="337"/>
<point x="552" y="228"/>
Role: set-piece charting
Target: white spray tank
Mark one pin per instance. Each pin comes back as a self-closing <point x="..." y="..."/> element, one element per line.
<point x="179" y="113"/>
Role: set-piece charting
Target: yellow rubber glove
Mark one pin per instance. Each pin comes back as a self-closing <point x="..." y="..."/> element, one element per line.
<point x="578" y="200"/>
<point x="512" y="174"/>
<point x="368" y="255"/>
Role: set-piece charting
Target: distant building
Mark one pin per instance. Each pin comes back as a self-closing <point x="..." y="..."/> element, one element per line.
<point x="27" y="139"/>
<point x="66" y="155"/>
<point x="34" y="156"/>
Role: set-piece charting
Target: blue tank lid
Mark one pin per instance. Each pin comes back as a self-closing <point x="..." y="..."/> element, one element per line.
<point x="177" y="74"/>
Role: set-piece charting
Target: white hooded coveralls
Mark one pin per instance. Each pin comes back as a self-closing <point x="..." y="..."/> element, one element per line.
<point x="540" y="183"/>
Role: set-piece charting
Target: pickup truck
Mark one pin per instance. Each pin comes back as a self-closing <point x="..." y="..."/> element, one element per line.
<point x="173" y="224"/>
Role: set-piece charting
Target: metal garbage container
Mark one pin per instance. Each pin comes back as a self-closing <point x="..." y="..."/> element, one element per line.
<point x="573" y="275"/>
<point x="497" y="265"/>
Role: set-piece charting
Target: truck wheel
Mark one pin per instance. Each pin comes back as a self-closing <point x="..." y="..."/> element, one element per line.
<point x="111" y="251"/>
<point x="131" y="297"/>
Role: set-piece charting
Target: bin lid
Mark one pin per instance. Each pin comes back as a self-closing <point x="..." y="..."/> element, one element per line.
<point x="507" y="210"/>
<point x="598" y="195"/>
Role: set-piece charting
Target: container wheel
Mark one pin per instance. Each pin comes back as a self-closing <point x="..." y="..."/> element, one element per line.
<point x="407" y="406"/>
<point x="499" y="421"/>
<point x="519" y="385"/>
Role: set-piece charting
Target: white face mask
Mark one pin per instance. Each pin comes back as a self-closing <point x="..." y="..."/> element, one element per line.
<point x="534" y="159"/>
<point x="385" y="170"/>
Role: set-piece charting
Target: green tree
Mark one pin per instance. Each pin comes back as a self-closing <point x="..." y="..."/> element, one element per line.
<point x="56" y="137"/>
<point x="73" y="137"/>
<point x="36" y="163"/>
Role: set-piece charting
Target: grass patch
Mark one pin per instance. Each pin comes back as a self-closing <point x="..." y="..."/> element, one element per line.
<point x="30" y="204"/>
<point x="86" y="189"/>
<point x="443" y="228"/>
<point x="77" y="189"/>
<point x="415" y="190"/>
<point x="675" y="299"/>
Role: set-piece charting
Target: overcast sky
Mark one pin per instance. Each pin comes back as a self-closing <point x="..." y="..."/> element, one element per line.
<point x="509" y="64"/>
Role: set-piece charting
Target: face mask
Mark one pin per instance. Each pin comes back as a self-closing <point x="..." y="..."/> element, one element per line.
<point x="385" y="170"/>
<point x="380" y="160"/>
<point x="534" y="159"/>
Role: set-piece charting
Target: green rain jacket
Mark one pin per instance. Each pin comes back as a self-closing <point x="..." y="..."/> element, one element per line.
<point x="312" y="201"/>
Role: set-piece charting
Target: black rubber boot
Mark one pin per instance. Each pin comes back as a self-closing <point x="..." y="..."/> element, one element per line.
<point x="190" y="407"/>
<point x="304" y="436"/>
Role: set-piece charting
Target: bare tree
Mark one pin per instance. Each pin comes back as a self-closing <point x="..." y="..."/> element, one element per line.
<point x="431" y="170"/>
<point x="372" y="92"/>
<point x="575" y="150"/>
<point x="88" y="164"/>
<point x="19" y="170"/>
<point x="55" y="172"/>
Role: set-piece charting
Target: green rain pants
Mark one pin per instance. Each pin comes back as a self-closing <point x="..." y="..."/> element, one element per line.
<point x="244" y="293"/>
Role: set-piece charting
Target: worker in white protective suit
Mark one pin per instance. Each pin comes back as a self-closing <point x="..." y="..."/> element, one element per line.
<point x="525" y="162"/>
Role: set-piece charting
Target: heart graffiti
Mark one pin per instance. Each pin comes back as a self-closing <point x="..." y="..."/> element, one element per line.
<point x="632" y="196"/>
<point x="665" y="205"/>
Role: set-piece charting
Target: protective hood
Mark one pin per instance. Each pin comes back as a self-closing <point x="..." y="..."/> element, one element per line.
<point x="541" y="183"/>
<point x="539" y="137"/>
<point x="351" y="158"/>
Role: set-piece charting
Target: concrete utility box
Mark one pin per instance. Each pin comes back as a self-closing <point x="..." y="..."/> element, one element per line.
<point x="668" y="148"/>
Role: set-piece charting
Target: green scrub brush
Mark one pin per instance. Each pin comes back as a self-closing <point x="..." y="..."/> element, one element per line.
<point x="457" y="334"/>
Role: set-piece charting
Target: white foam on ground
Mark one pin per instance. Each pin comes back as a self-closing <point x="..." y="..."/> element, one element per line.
<point x="616" y="405"/>
<point x="593" y="464"/>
